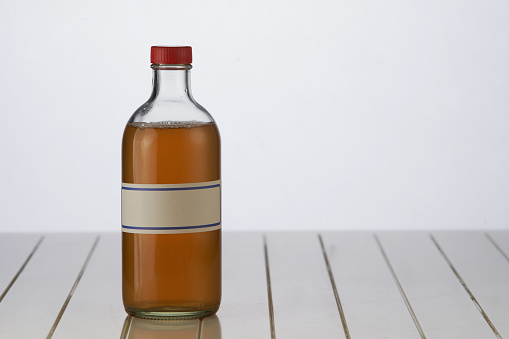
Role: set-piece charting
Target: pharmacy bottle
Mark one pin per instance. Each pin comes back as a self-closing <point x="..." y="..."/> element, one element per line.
<point x="171" y="198"/>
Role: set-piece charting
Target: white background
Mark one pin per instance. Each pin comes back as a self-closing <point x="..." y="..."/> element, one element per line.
<point x="333" y="114"/>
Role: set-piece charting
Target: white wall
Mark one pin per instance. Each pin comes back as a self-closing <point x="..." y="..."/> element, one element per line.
<point x="333" y="114"/>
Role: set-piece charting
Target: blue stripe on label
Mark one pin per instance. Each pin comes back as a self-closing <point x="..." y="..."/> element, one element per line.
<point x="170" y="228"/>
<point x="168" y="188"/>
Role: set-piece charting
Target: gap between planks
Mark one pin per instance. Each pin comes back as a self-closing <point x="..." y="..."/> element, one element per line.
<point x="334" y="288"/>
<point x="462" y="282"/>
<point x="71" y="292"/>
<point x="400" y="288"/>
<point x="126" y="328"/>
<point x="269" y="289"/>
<point x="199" y="331"/>
<point x="497" y="247"/>
<point x="21" y="268"/>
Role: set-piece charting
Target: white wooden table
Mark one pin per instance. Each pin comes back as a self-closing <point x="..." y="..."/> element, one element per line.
<point x="285" y="285"/>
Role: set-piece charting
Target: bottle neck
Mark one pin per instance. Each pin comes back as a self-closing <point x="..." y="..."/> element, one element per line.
<point x="171" y="82"/>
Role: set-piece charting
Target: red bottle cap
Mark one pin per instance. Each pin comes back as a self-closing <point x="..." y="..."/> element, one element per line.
<point x="171" y="55"/>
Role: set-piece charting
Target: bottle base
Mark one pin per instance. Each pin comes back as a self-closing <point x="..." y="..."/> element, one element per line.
<point x="169" y="314"/>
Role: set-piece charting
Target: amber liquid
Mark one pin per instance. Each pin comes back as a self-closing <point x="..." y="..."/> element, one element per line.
<point x="171" y="275"/>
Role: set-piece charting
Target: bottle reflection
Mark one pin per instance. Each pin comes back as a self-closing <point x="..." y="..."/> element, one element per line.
<point x="136" y="328"/>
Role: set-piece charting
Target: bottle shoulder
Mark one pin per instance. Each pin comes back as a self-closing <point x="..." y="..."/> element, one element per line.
<point x="156" y="110"/>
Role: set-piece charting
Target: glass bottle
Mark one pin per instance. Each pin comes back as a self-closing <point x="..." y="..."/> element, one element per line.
<point x="171" y="199"/>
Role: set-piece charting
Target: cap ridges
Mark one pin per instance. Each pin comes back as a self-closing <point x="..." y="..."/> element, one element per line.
<point x="171" y="55"/>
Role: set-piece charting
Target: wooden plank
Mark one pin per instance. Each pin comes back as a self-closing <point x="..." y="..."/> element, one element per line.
<point x="244" y="311"/>
<point x="439" y="301"/>
<point x="96" y="305"/>
<point x="15" y="252"/>
<point x="304" y="304"/>
<point x="373" y="305"/>
<point x="42" y="288"/>
<point x="484" y="272"/>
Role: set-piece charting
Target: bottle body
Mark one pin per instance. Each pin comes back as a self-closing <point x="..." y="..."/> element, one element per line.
<point x="171" y="247"/>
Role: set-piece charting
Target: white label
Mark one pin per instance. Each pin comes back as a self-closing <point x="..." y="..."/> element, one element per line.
<point x="171" y="208"/>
